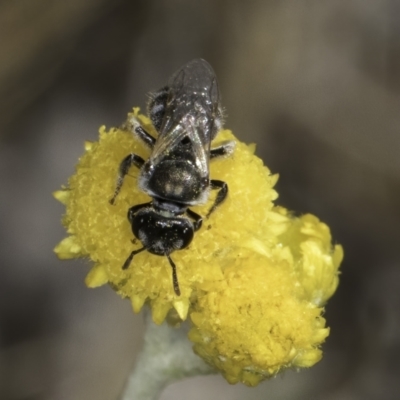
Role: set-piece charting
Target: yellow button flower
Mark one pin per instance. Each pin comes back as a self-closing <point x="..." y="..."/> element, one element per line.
<point x="253" y="280"/>
<point x="266" y="314"/>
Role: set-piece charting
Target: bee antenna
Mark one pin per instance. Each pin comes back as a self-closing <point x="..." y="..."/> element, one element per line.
<point x="174" y="276"/>
<point x="129" y="259"/>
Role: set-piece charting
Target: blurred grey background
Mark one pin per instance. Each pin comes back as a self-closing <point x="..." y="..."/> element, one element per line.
<point x="315" y="84"/>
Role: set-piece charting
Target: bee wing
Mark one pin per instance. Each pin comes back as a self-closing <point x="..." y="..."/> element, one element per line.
<point x="193" y="101"/>
<point x="185" y="128"/>
<point x="201" y="148"/>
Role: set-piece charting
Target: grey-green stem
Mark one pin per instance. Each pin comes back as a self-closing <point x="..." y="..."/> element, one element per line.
<point x="167" y="356"/>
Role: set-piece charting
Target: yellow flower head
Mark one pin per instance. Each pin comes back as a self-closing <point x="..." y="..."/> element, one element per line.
<point x="253" y="280"/>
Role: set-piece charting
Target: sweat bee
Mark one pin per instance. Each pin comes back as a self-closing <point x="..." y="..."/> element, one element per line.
<point x="187" y="116"/>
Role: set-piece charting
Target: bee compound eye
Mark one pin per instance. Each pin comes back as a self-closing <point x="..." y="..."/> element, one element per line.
<point x="185" y="232"/>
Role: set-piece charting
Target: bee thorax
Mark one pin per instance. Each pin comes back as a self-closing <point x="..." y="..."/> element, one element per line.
<point x="176" y="181"/>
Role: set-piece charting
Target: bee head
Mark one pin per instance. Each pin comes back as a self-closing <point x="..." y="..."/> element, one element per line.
<point x="160" y="232"/>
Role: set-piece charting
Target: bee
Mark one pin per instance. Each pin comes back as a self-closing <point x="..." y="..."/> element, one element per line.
<point x="187" y="116"/>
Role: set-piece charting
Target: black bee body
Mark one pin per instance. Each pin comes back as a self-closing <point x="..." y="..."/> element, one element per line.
<point x="187" y="116"/>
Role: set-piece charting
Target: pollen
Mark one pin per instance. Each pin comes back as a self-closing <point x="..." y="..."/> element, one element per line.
<point x="254" y="281"/>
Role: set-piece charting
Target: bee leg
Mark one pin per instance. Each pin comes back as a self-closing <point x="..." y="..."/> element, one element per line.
<point x="224" y="150"/>
<point x="127" y="162"/>
<point x="221" y="196"/>
<point x="136" y="128"/>
<point x="198" y="220"/>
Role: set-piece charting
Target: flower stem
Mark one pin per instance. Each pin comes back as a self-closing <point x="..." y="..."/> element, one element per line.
<point x="167" y="356"/>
